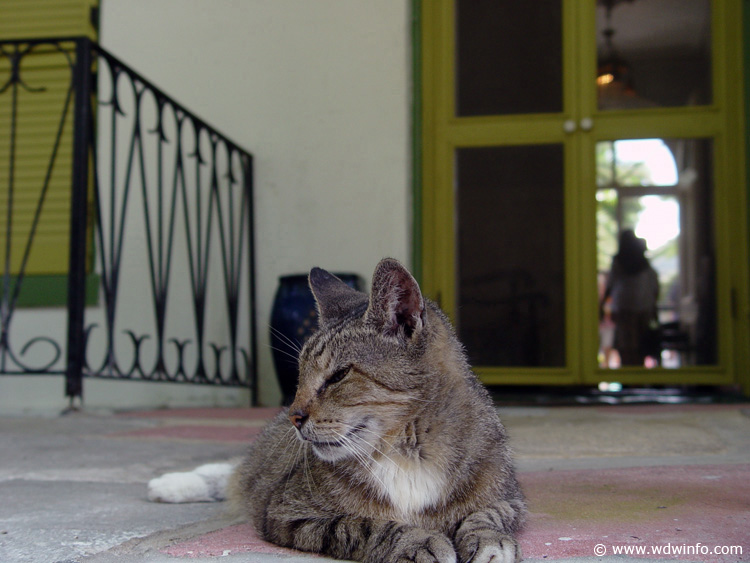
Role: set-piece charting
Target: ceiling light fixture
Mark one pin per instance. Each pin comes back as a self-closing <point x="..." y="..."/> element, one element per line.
<point x="611" y="67"/>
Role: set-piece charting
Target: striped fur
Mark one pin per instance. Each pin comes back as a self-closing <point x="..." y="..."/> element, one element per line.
<point x="392" y="450"/>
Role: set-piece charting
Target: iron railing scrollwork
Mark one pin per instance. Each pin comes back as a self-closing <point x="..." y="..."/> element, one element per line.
<point x="161" y="211"/>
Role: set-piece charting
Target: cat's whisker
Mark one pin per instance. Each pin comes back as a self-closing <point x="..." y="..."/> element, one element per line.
<point x="290" y="347"/>
<point x="410" y="399"/>
<point x="286" y="353"/>
<point x="308" y="474"/>
<point x="370" y="444"/>
<point x="292" y="343"/>
<point x="284" y="438"/>
<point x="362" y="456"/>
<point x="374" y="447"/>
<point x="269" y="460"/>
<point x="364" y="429"/>
<point x="353" y="448"/>
<point x="363" y="459"/>
<point x="290" y="443"/>
<point x="292" y="465"/>
<point x="301" y="449"/>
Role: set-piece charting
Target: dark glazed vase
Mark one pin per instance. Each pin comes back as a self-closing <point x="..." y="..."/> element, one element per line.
<point x="293" y="319"/>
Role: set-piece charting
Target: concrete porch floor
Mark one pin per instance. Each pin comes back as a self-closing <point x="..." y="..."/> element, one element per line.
<point x="598" y="479"/>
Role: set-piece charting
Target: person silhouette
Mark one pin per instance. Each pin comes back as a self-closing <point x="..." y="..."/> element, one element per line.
<point x="632" y="290"/>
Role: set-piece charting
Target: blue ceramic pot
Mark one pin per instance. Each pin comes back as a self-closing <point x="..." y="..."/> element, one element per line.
<point x="293" y="319"/>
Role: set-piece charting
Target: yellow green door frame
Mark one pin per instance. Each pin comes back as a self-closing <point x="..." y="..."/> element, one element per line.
<point x="437" y="133"/>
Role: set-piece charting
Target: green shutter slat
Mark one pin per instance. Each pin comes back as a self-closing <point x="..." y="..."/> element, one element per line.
<point x="38" y="119"/>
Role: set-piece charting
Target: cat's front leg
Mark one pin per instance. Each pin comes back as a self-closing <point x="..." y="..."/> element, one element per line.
<point x="362" y="539"/>
<point x="395" y="542"/>
<point x="486" y="536"/>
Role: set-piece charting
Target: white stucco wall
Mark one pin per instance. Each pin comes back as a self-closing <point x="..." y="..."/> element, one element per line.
<point x="320" y="93"/>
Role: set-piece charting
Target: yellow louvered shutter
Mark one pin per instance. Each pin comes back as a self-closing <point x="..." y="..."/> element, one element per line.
<point x="45" y="75"/>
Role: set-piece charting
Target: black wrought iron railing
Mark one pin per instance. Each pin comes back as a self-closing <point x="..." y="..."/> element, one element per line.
<point x="158" y="206"/>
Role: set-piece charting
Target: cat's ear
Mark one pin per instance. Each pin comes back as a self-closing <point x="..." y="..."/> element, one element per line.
<point x="335" y="299"/>
<point x="396" y="303"/>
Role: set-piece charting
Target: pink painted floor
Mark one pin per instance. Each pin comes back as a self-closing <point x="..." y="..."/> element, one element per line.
<point x="573" y="512"/>
<point x="685" y="510"/>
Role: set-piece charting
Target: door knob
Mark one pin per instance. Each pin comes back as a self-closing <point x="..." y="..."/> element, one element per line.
<point x="569" y="126"/>
<point x="587" y="124"/>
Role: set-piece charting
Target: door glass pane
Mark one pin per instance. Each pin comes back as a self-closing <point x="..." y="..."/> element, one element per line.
<point x="508" y="57"/>
<point x="511" y="259"/>
<point x="653" y="53"/>
<point x="655" y="213"/>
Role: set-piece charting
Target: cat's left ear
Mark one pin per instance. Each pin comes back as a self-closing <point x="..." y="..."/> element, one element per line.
<point x="396" y="303"/>
<point x="335" y="299"/>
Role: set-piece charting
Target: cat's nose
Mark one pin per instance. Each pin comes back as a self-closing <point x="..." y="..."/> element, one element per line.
<point x="298" y="418"/>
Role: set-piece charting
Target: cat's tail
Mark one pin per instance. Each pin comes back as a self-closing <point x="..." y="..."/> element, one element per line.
<point x="207" y="483"/>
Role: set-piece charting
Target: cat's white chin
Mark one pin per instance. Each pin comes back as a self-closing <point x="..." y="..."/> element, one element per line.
<point x="330" y="452"/>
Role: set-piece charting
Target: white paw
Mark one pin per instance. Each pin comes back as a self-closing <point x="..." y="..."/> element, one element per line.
<point x="206" y="483"/>
<point x="216" y="476"/>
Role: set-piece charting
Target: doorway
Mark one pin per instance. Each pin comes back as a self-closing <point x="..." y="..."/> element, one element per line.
<point x="549" y="129"/>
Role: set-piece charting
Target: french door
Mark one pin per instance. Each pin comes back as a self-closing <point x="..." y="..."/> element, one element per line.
<point x="551" y="128"/>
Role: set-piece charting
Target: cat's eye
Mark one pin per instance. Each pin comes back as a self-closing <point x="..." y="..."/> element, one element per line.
<point x="338" y="375"/>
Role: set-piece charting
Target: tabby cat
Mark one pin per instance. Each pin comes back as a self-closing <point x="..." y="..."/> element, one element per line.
<point x="392" y="450"/>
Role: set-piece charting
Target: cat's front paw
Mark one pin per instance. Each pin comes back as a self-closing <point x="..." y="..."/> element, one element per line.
<point x="423" y="546"/>
<point x="489" y="547"/>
